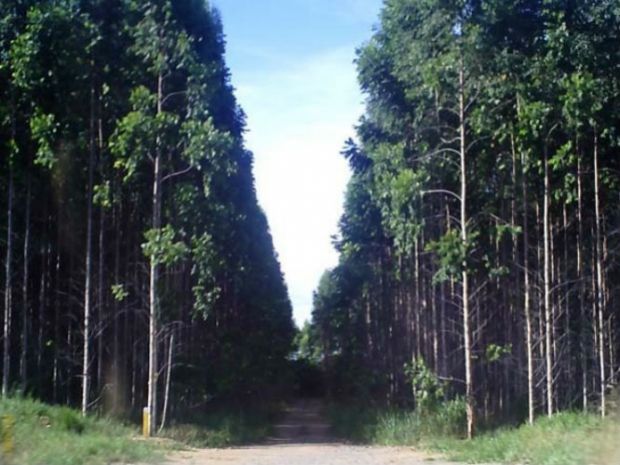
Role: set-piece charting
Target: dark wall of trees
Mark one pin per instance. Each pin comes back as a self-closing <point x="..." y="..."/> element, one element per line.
<point x="480" y="231"/>
<point x="127" y="198"/>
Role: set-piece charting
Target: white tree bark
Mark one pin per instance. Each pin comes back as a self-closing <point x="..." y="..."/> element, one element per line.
<point x="600" y="290"/>
<point x="469" y="388"/>
<point x="168" y="380"/>
<point x="89" y="260"/>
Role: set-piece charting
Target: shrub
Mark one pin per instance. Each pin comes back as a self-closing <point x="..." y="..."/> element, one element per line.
<point x="428" y="390"/>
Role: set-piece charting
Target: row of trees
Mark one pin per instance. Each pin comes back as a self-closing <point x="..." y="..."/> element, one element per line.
<point x="480" y="232"/>
<point x="134" y="250"/>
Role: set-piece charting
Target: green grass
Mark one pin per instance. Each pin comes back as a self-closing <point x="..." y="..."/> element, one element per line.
<point x="566" y="439"/>
<point x="50" y="435"/>
<point x="396" y="427"/>
<point x="223" y="428"/>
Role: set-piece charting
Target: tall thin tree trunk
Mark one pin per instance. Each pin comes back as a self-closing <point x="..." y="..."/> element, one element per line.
<point x="154" y="278"/>
<point x="568" y="370"/>
<point x="469" y="387"/>
<point x="581" y="283"/>
<point x="526" y="296"/>
<point x="42" y="304"/>
<point x="164" y="414"/>
<point x="100" y="298"/>
<point x="8" y="287"/>
<point x="57" y="293"/>
<point x="116" y="365"/>
<point x="611" y="335"/>
<point x="418" y="300"/>
<point x="23" y="363"/>
<point x="547" y="288"/>
<point x="88" y="258"/>
<point x="600" y="291"/>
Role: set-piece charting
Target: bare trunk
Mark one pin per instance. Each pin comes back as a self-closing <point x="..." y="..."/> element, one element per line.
<point x="23" y="363"/>
<point x="164" y="414"/>
<point x="57" y="292"/>
<point x="154" y="280"/>
<point x="100" y="299"/>
<point x="89" y="259"/>
<point x="581" y="280"/>
<point x="42" y="305"/>
<point x="469" y="388"/>
<point x="526" y="297"/>
<point x="547" y="289"/>
<point x="600" y="292"/>
<point x="418" y="300"/>
<point x="116" y="365"/>
<point x="8" y="291"/>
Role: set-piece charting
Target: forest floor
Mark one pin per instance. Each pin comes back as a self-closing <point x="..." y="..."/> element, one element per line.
<point x="303" y="437"/>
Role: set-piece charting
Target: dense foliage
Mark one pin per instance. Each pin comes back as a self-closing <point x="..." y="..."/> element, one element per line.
<point x="134" y="250"/>
<point x="480" y="225"/>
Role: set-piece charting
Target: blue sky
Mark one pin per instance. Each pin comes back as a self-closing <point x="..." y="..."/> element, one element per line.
<point x="292" y="67"/>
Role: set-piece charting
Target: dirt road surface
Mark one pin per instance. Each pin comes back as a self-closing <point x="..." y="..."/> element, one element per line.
<point x="302" y="437"/>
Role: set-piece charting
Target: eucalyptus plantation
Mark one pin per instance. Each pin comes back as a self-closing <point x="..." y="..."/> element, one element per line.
<point x="478" y="237"/>
<point x="478" y="246"/>
<point x="121" y="135"/>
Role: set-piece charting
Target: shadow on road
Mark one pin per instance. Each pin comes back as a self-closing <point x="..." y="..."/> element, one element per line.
<point x="303" y="423"/>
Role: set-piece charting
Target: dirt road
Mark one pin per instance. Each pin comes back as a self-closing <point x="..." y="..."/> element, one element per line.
<point x="303" y="438"/>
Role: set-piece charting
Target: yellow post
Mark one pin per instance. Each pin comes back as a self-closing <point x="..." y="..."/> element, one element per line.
<point x="146" y="422"/>
<point x="8" y="423"/>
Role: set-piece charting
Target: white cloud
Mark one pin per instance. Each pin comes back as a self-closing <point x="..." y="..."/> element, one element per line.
<point x="299" y="117"/>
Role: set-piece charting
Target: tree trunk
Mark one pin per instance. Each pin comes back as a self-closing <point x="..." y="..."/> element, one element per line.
<point x="581" y="282"/>
<point x="57" y="293"/>
<point x="469" y="388"/>
<point x="101" y="324"/>
<point x="547" y="288"/>
<point x="88" y="259"/>
<point x="8" y="291"/>
<point x="600" y="291"/>
<point x="526" y="296"/>
<point x="164" y="414"/>
<point x="23" y="364"/>
<point x="154" y="279"/>
<point x="42" y="305"/>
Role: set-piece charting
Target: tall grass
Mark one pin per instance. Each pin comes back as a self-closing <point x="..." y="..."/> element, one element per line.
<point x="397" y="427"/>
<point x="565" y="439"/>
<point x="47" y="435"/>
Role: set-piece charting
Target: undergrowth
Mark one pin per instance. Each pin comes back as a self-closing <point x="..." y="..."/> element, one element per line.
<point x="567" y="438"/>
<point x="53" y="435"/>
<point x="223" y="428"/>
<point x="47" y="435"/>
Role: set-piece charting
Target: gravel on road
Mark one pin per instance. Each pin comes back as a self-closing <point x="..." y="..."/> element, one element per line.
<point x="306" y="454"/>
<point x="302" y="437"/>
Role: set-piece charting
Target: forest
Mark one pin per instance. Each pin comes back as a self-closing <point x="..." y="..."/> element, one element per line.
<point x="135" y="255"/>
<point x="478" y="264"/>
<point x="479" y="243"/>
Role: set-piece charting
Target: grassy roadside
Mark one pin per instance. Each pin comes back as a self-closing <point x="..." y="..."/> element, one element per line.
<point x="566" y="439"/>
<point x="51" y="435"/>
